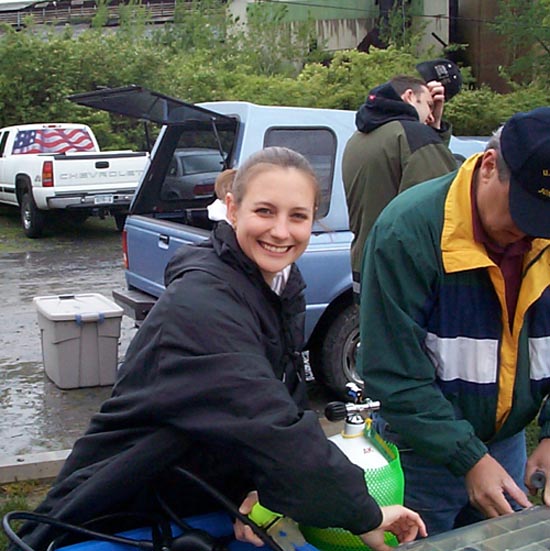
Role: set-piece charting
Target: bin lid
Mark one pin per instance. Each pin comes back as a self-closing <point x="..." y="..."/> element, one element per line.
<point x="514" y="532"/>
<point x="68" y="307"/>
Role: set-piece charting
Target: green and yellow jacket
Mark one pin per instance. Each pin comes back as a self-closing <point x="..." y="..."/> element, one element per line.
<point x="437" y="347"/>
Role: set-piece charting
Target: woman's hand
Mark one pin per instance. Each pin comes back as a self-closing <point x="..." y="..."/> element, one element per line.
<point x="241" y="530"/>
<point x="400" y="521"/>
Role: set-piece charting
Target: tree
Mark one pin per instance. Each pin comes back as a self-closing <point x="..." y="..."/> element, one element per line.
<point x="207" y="56"/>
<point x="525" y="24"/>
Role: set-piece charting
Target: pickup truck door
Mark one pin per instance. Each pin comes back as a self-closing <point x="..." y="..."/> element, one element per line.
<point x="176" y="115"/>
<point x="5" y="194"/>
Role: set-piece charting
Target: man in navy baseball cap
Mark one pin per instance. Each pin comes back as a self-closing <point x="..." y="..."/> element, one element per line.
<point x="525" y="144"/>
<point x="455" y="326"/>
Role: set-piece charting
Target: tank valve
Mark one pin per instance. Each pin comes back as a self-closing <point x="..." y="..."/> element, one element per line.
<point x="338" y="411"/>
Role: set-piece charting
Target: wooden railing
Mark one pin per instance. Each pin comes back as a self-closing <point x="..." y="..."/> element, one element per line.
<point x="62" y="13"/>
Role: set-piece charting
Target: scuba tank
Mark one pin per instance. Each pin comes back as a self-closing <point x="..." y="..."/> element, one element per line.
<point x="367" y="449"/>
<point x="358" y="440"/>
<point x="378" y="459"/>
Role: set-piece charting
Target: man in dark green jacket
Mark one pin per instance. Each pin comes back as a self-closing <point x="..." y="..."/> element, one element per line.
<point x="401" y="140"/>
<point x="455" y="328"/>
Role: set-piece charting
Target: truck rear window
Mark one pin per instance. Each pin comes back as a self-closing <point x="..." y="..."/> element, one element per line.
<point x="318" y="146"/>
<point x="52" y="140"/>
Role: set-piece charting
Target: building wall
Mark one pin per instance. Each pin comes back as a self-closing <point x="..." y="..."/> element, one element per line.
<point x="485" y="51"/>
<point x="342" y="34"/>
<point x="435" y="19"/>
<point x="318" y="9"/>
<point x="340" y="24"/>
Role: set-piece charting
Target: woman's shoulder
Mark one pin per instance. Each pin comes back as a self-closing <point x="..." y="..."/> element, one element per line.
<point x="189" y="257"/>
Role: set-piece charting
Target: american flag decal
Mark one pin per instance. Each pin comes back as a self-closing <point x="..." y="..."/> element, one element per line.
<point x="51" y="140"/>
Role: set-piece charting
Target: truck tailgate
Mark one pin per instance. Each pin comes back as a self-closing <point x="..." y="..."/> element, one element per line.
<point x="99" y="172"/>
<point x="160" y="238"/>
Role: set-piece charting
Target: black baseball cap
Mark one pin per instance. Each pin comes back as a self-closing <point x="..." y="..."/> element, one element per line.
<point x="444" y="71"/>
<point x="525" y="145"/>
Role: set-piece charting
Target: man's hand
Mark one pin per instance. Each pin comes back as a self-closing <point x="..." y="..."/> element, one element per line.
<point x="437" y="90"/>
<point x="487" y="482"/>
<point x="539" y="461"/>
<point x="242" y="531"/>
<point x="398" y="520"/>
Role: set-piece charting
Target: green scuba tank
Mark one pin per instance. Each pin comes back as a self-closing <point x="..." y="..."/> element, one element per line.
<point x="378" y="459"/>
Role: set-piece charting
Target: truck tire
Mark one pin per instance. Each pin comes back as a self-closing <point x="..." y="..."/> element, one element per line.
<point x="333" y="358"/>
<point x="120" y="220"/>
<point x="32" y="219"/>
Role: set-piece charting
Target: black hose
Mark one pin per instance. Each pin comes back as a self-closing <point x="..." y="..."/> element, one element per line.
<point x="80" y="530"/>
<point x="222" y="500"/>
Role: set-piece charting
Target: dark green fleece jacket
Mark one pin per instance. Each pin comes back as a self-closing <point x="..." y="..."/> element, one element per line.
<point x="390" y="152"/>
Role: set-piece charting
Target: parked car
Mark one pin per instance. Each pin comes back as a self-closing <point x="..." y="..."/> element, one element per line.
<point x="192" y="174"/>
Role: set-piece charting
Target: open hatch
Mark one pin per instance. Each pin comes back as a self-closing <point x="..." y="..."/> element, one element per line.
<point x="143" y="104"/>
<point x="193" y="148"/>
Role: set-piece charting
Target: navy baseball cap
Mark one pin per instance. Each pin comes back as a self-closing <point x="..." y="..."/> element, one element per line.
<point x="444" y="71"/>
<point x="525" y="145"/>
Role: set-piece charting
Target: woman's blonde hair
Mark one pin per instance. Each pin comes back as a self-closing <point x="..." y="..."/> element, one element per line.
<point x="267" y="158"/>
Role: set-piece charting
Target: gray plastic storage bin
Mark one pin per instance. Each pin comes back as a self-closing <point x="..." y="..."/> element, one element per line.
<point x="79" y="335"/>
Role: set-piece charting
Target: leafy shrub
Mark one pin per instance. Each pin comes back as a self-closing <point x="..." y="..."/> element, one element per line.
<point x="217" y="61"/>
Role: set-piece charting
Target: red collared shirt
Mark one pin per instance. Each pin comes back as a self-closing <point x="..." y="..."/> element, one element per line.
<point x="509" y="259"/>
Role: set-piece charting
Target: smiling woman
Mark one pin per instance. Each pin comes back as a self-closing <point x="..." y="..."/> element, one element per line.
<point x="215" y="372"/>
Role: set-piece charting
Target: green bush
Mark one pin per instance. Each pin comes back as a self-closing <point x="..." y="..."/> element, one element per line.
<point x="480" y="112"/>
<point x="205" y="55"/>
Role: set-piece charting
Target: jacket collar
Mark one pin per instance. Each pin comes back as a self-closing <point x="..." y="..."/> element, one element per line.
<point x="460" y="251"/>
<point x="383" y="105"/>
<point x="224" y="242"/>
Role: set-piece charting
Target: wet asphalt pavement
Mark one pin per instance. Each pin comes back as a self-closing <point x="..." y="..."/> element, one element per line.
<point x="35" y="415"/>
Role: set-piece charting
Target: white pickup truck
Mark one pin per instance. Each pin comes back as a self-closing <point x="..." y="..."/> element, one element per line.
<point x="59" y="166"/>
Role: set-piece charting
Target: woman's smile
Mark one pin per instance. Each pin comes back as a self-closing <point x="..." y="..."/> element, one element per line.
<point x="276" y="249"/>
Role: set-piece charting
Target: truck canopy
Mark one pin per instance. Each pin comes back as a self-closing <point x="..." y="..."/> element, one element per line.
<point x="143" y="104"/>
<point x="187" y="127"/>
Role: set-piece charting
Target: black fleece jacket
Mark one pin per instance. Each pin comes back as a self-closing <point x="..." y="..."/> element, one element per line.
<point x="212" y="381"/>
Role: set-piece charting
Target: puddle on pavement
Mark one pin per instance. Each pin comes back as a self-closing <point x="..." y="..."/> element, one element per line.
<point x="38" y="416"/>
<point x="35" y="414"/>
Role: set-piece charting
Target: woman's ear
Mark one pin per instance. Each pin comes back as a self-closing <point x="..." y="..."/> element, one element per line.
<point x="231" y="209"/>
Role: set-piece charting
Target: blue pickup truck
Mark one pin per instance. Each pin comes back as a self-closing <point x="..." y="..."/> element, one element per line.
<point x="163" y="217"/>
